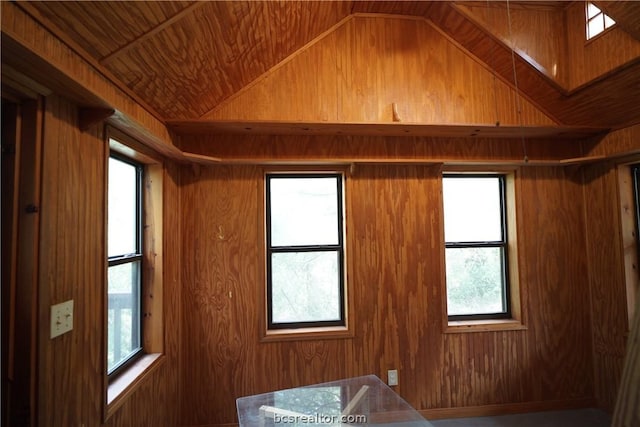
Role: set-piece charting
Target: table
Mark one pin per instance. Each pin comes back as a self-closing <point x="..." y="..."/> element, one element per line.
<point x="356" y="401"/>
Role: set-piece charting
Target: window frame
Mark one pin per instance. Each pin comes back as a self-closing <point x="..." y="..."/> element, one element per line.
<point x="503" y="243"/>
<point x="138" y="256"/>
<point x="117" y="389"/>
<point x="305" y="327"/>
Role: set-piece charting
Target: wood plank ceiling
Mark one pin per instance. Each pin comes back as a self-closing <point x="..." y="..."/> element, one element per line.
<point x="182" y="59"/>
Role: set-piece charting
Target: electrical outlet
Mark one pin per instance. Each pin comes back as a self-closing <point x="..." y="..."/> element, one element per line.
<point x="392" y="377"/>
<point x="61" y="318"/>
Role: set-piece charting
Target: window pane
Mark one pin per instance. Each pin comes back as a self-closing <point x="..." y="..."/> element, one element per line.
<point x="474" y="281"/>
<point x="326" y="400"/>
<point x="608" y="22"/>
<point x="305" y="286"/>
<point x="595" y="27"/>
<point x="592" y="10"/>
<point x="122" y="219"/>
<point x="304" y="211"/>
<point x="472" y="209"/>
<point x="123" y="313"/>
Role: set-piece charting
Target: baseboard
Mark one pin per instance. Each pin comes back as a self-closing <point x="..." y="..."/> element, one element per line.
<point x="507" y="408"/>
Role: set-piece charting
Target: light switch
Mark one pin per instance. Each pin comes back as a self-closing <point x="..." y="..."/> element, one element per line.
<point x="61" y="318"/>
<point x="392" y="377"/>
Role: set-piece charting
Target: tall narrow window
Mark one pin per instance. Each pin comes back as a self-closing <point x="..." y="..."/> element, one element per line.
<point x="635" y="174"/>
<point x="305" y="251"/>
<point x="597" y="20"/>
<point x="476" y="247"/>
<point x="124" y="244"/>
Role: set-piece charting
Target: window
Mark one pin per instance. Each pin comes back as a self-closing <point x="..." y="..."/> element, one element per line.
<point x="635" y="173"/>
<point x="124" y="245"/>
<point x="597" y="21"/>
<point x="476" y="247"/>
<point x="305" y="250"/>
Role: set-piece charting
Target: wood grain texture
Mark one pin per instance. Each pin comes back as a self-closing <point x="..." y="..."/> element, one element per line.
<point x="615" y="143"/>
<point x="103" y="28"/>
<point x="395" y="276"/>
<point x="601" y="101"/>
<point x="307" y="149"/>
<point x="367" y="64"/>
<point x="536" y="32"/>
<point x="30" y="49"/>
<point x="558" y="307"/>
<point x="625" y="13"/>
<point x="600" y="55"/>
<point x="220" y="48"/>
<point x="185" y="128"/>
<point x="73" y="265"/>
<point x="606" y="280"/>
<point x="627" y="409"/>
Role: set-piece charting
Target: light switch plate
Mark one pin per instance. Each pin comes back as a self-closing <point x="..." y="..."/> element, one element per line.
<point x="392" y="377"/>
<point x="61" y="318"/>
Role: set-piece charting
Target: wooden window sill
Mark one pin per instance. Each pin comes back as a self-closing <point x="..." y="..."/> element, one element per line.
<point x="335" y="332"/>
<point x="462" y="326"/>
<point x="125" y="384"/>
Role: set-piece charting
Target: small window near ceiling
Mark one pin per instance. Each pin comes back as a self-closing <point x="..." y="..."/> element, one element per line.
<point x="124" y="340"/>
<point x="476" y="247"/>
<point x="305" y="250"/>
<point x="597" y="20"/>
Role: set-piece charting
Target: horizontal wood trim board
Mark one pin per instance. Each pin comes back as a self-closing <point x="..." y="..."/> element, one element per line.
<point x="189" y="127"/>
<point x="507" y="408"/>
<point x="209" y="160"/>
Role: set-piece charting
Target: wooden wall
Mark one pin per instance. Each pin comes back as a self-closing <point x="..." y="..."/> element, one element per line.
<point x="598" y="56"/>
<point x="606" y="263"/>
<point x="395" y="250"/>
<point x="535" y="31"/>
<point x="358" y="71"/>
<point x="73" y="262"/>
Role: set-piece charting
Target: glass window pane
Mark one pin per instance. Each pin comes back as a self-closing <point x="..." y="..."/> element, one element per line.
<point x="592" y="10"/>
<point x="122" y="219"/>
<point x="608" y="22"/>
<point x="123" y="313"/>
<point x="595" y="27"/>
<point x="475" y="281"/>
<point x="472" y="209"/>
<point x="304" y="211"/>
<point x="312" y="401"/>
<point x="305" y="287"/>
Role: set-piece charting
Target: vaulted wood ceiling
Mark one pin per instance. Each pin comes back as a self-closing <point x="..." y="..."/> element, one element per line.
<point x="182" y="59"/>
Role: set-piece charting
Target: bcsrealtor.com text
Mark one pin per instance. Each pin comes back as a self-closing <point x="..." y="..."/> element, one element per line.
<point x="319" y="419"/>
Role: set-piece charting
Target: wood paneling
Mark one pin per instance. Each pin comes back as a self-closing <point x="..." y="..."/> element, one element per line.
<point x="356" y="73"/>
<point x="606" y="280"/>
<point x="627" y="410"/>
<point x="609" y="101"/>
<point x="309" y="149"/>
<point x="103" y="28"/>
<point x="72" y="266"/>
<point x="216" y="49"/>
<point x="536" y="32"/>
<point x="202" y="127"/>
<point x="598" y="56"/>
<point x="606" y="262"/>
<point x="616" y="143"/>
<point x="395" y="276"/>
<point x="185" y="59"/>
<point x="625" y="13"/>
<point x="31" y="50"/>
